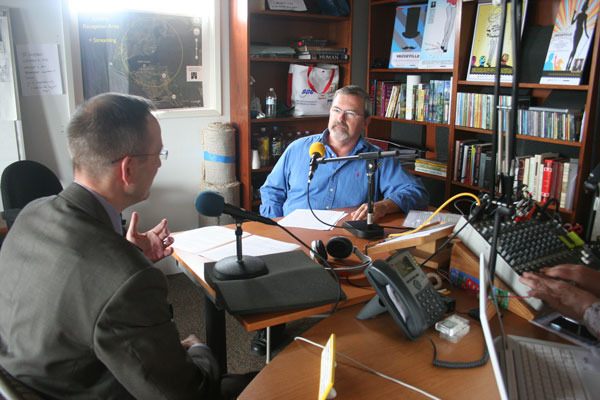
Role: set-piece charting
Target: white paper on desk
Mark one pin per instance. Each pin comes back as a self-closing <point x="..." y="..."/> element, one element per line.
<point x="253" y="245"/>
<point x="199" y="240"/>
<point x="424" y="232"/>
<point x="416" y="218"/>
<point x="305" y="219"/>
<point x="194" y="262"/>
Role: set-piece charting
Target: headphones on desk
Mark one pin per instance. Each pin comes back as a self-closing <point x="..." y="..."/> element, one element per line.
<point x="339" y="247"/>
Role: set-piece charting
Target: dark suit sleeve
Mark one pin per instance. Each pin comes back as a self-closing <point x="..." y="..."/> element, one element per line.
<point x="138" y="342"/>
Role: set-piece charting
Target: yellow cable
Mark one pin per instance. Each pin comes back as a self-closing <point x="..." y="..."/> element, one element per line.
<point x="440" y="208"/>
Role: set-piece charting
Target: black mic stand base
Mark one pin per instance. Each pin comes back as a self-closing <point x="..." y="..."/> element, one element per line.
<point x="363" y="230"/>
<point x="230" y="268"/>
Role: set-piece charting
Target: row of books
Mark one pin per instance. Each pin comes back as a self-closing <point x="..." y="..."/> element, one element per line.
<point x="420" y="102"/>
<point x="550" y="123"/>
<point x="473" y="163"/>
<point x="547" y="175"/>
<point x="543" y="176"/>
<point x="432" y="167"/>
<point x="475" y="110"/>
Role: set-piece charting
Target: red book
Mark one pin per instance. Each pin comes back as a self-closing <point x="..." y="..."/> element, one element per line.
<point x="547" y="178"/>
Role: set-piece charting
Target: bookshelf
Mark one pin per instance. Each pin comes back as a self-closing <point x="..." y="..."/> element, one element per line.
<point x="439" y="139"/>
<point x="248" y="25"/>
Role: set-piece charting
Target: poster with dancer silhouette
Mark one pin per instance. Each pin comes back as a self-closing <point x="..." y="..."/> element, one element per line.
<point x="486" y="38"/>
<point x="408" y="36"/>
<point x="571" y="38"/>
<point x="437" y="49"/>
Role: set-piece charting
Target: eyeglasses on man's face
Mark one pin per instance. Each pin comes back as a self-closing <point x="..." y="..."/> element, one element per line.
<point x="163" y="154"/>
<point x="347" y="113"/>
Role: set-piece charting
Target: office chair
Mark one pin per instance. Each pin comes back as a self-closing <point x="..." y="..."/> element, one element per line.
<point x="12" y="389"/>
<point x="24" y="181"/>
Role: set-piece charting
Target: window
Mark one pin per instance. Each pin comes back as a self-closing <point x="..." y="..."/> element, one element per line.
<point x="167" y="52"/>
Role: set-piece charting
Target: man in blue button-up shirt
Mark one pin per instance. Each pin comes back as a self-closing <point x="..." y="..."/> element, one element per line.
<point x="341" y="184"/>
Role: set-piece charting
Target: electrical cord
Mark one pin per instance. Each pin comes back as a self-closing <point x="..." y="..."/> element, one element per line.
<point x="455" y="364"/>
<point x="373" y="371"/>
<point x="436" y="212"/>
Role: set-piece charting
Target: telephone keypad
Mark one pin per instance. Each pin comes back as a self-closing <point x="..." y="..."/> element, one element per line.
<point x="430" y="300"/>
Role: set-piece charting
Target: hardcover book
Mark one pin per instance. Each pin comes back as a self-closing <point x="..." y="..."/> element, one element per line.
<point x="486" y="38"/>
<point x="437" y="49"/>
<point x="571" y="38"/>
<point x="408" y="36"/>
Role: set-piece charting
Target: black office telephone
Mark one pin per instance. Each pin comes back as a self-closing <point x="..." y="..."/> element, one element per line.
<point x="405" y="292"/>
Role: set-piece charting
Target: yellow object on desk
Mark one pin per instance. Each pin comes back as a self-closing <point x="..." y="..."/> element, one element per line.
<point x="327" y="370"/>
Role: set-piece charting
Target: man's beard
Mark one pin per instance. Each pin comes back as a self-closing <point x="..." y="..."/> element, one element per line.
<point x="340" y="131"/>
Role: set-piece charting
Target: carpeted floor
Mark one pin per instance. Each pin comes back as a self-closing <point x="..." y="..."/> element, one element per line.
<point x="188" y="308"/>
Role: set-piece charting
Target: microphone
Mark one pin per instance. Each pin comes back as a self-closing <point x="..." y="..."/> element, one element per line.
<point x="212" y="204"/>
<point x="316" y="150"/>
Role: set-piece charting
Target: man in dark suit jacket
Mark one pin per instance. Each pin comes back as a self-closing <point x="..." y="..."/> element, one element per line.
<point x="83" y="312"/>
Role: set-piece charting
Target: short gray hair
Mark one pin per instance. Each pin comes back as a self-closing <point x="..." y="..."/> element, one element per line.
<point x="106" y="128"/>
<point x="354" y="90"/>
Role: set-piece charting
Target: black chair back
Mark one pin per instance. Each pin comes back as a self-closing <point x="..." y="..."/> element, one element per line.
<point x="24" y="181"/>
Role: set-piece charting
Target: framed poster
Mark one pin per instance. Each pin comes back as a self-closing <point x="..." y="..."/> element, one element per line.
<point x="483" y="59"/>
<point x="169" y="57"/>
<point x="570" y="43"/>
<point x="407" y="36"/>
<point x="437" y="49"/>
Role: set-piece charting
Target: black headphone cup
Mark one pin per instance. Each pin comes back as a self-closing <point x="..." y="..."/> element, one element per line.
<point x="339" y="247"/>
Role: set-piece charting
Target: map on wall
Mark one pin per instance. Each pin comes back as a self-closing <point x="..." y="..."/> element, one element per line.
<point x="156" y="56"/>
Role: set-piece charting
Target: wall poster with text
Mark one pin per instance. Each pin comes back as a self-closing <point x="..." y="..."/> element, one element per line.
<point x="156" y="56"/>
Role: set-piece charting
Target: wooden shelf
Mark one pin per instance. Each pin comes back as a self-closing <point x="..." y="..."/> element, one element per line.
<point x="426" y="175"/>
<point x="471" y="187"/>
<point x="293" y="60"/>
<point x="413" y="71"/>
<point x="521" y="137"/>
<point x="289" y="119"/>
<point x="296" y="16"/>
<point x="526" y="85"/>
<point x="409" y="121"/>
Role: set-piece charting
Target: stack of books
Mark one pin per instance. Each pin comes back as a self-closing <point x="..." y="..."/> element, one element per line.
<point x="432" y="167"/>
<point x="319" y="49"/>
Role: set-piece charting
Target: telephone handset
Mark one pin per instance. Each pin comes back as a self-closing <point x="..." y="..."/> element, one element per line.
<point x="405" y="291"/>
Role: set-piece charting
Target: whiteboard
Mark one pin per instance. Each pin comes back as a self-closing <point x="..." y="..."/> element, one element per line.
<point x="11" y="134"/>
<point x="9" y="110"/>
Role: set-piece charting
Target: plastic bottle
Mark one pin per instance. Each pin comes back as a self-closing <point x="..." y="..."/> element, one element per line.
<point x="271" y="104"/>
<point x="264" y="147"/>
<point x="276" y="144"/>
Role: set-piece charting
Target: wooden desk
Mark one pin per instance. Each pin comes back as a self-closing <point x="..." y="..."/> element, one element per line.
<point x="380" y="344"/>
<point x="215" y="318"/>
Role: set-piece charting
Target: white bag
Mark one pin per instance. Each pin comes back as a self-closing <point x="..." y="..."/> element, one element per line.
<point x="311" y="88"/>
